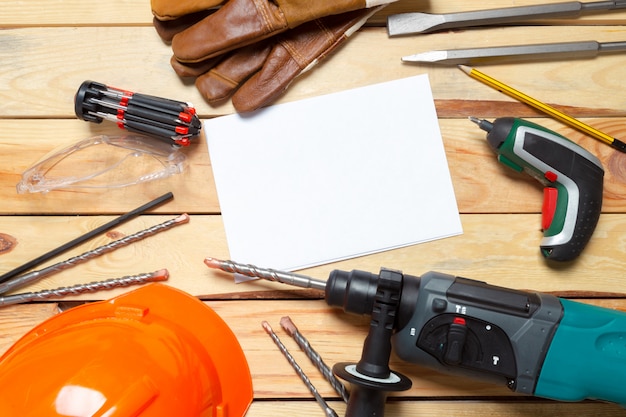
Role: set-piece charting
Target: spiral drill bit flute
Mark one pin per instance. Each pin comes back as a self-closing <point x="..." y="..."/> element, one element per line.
<point x="160" y="275"/>
<point x="101" y="250"/>
<point x="320" y="400"/>
<point x="316" y="359"/>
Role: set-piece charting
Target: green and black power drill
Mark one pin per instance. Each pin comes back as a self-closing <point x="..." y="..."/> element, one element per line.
<point x="572" y="177"/>
<point x="534" y="343"/>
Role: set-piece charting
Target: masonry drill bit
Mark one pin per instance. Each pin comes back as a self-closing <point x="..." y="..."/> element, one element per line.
<point x="413" y="23"/>
<point x="320" y="400"/>
<point x="85" y="237"/>
<point x="71" y="262"/>
<point x="160" y="275"/>
<point x="288" y="325"/>
<point x="252" y="271"/>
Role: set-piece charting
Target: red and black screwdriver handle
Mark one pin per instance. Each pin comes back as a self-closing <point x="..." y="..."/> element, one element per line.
<point x="166" y="119"/>
<point x="572" y="178"/>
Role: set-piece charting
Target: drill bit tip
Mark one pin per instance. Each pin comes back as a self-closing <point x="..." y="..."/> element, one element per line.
<point x="213" y="263"/>
<point x="288" y="325"/>
<point x="266" y="326"/>
<point x="265" y="273"/>
<point x="160" y="275"/>
<point x="183" y="218"/>
<point x="485" y="125"/>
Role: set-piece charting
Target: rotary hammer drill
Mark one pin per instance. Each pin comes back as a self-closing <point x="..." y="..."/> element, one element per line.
<point x="534" y="343"/>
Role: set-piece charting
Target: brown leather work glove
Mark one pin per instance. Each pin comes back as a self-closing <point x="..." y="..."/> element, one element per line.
<point x="257" y="74"/>
<point x="238" y="23"/>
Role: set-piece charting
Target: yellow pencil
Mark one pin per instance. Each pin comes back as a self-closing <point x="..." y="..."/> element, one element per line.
<point x="570" y="121"/>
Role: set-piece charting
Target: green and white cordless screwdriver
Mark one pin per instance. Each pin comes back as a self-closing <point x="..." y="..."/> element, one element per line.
<point x="572" y="178"/>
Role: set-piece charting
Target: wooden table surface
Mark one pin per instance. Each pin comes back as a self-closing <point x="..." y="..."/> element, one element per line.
<point x="47" y="49"/>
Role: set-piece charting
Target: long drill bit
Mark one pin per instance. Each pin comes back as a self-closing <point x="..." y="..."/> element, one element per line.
<point x="83" y="238"/>
<point x="160" y="275"/>
<point x="71" y="262"/>
<point x="288" y="325"/>
<point x="320" y="400"/>
<point x="283" y="277"/>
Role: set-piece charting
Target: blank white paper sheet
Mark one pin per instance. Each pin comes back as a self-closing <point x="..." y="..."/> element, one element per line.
<point x="333" y="177"/>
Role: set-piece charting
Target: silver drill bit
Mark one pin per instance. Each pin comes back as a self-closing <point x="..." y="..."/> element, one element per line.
<point x="101" y="250"/>
<point x="160" y="275"/>
<point x="252" y="271"/>
<point x="327" y="409"/>
<point x="288" y="325"/>
<point x="413" y="23"/>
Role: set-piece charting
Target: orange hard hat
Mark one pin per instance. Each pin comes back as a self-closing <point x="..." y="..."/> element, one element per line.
<point x="154" y="351"/>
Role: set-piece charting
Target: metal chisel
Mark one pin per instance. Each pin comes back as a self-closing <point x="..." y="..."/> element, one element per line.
<point x="414" y="23"/>
<point x="497" y="54"/>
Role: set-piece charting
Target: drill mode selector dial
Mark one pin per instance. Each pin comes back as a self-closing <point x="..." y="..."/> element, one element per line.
<point x="470" y="343"/>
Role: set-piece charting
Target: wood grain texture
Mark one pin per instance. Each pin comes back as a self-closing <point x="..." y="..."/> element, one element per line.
<point x="45" y="56"/>
<point x="481" y="184"/>
<point x="129" y="13"/>
<point x="492" y="248"/>
<point x="41" y="81"/>
<point x="337" y="337"/>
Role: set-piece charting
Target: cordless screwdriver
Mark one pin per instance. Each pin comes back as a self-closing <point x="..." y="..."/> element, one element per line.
<point x="533" y="343"/>
<point x="572" y="179"/>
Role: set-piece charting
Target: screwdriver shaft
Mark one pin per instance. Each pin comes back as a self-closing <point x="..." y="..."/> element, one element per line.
<point x="101" y="250"/>
<point x="288" y="325"/>
<point x="108" y="284"/>
<point x="252" y="271"/>
<point x="320" y="400"/>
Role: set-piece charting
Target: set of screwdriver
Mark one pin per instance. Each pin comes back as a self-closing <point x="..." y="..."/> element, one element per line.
<point x="166" y="119"/>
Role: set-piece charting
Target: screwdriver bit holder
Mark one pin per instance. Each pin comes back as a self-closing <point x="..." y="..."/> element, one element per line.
<point x="169" y="120"/>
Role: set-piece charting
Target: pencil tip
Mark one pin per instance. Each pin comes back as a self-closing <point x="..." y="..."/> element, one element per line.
<point x="464" y="68"/>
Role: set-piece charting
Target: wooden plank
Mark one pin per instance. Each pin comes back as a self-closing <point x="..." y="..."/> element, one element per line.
<point x="194" y="189"/>
<point x="502" y="249"/>
<point x="124" y="12"/>
<point x="481" y="184"/>
<point x="41" y="81"/>
<point x="336" y="336"/>
<point x="431" y="408"/>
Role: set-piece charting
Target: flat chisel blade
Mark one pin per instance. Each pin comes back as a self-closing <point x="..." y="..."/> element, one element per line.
<point x="415" y="23"/>
<point x="498" y="54"/>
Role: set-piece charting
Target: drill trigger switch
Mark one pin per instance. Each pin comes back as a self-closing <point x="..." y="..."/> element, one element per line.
<point x="550" y="197"/>
<point x="457" y="333"/>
